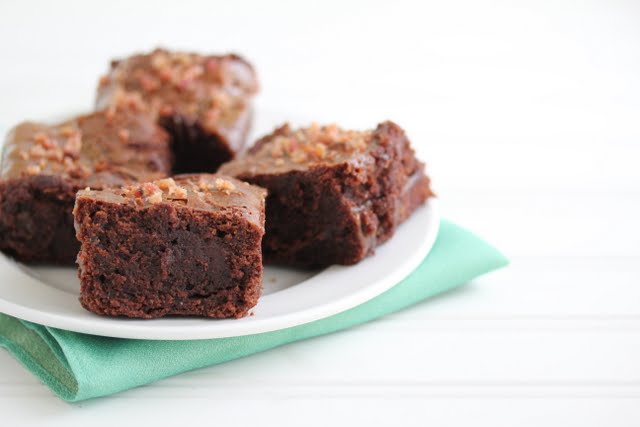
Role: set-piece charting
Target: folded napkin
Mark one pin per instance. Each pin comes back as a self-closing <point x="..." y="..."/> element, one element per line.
<point x="78" y="366"/>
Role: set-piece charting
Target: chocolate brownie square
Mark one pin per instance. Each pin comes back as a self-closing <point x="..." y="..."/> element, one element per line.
<point x="189" y="246"/>
<point x="43" y="166"/>
<point x="334" y="195"/>
<point x="202" y="100"/>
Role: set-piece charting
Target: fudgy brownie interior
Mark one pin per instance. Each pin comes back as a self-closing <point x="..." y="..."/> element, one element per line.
<point x="189" y="246"/>
<point x="333" y="194"/>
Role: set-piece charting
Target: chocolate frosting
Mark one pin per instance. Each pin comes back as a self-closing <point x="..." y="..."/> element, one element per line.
<point x="105" y="148"/>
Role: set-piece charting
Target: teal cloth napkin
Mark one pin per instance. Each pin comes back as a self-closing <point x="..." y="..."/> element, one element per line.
<point x="78" y="366"/>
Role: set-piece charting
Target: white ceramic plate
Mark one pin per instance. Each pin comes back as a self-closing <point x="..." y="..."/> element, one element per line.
<point x="49" y="295"/>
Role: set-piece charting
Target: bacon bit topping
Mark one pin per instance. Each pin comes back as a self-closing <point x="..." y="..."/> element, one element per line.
<point x="56" y="154"/>
<point x="149" y="188"/>
<point x="37" y="151"/>
<point x="213" y="67"/>
<point x="104" y="80"/>
<point x="221" y="99"/>
<point x="124" y="135"/>
<point x="41" y="138"/>
<point x="100" y="166"/>
<point x="169" y="186"/>
<point x="110" y="113"/>
<point x="211" y="116"/>
<point x="147" y="192"/>
<point x="159" y="60"/>
<point x="166" y="184"/>
<point x="33" y="169"/>
<point x="166" y="110"/>
<point x="149" y="83"/>
<point x="320" y="151"/>
<point x="212" y="90"/>
<point x="166" y="75"/>
<point x="316" y="143"/>
<point x="61" y="145"/>
<point x="224" y="186"/>
<point x="155" y="198"/>
<point x="193" y="72"/>
<point x="68" y="164"/>
<point x="299" y="157"/>
<point x="73" y="145"/>
<point x="178" y="193"/>
<point x="67" y="131"/>
<point x="204" y="185"/>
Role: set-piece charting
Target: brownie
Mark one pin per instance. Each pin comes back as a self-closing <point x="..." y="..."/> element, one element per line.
<point x="188" y="245"/>
<point x="334" y="195"/>
<point x="43" y="166"/>
<point x="202" y="100"/>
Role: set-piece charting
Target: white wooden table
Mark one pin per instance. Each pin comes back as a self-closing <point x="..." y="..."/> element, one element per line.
<point x="529" y="118"/>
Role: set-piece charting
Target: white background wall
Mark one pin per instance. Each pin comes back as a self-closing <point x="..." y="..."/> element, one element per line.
<point x="527" y="114"/>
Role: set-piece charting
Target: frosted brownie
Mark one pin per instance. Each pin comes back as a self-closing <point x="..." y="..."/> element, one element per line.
<point x="43" y="166"/>
<point x="189" y="246"/>
<point x="334" y="194"/>
<point x="204" y="101"/>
